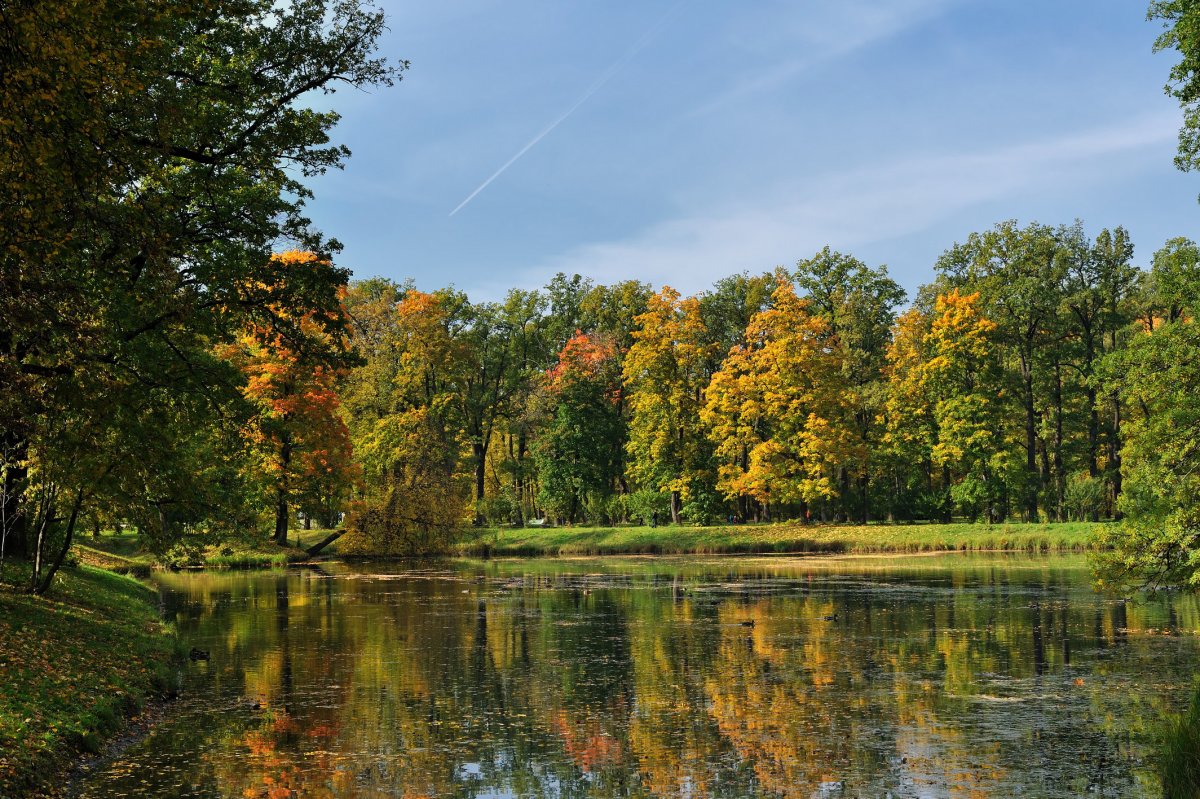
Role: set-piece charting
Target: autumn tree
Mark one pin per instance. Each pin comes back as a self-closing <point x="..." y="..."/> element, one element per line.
<point x="908" y="418"/>
<point x="778" y="410"/>
<point x="964" y="375"/>
<point x="303" y="441"/>
<point x="858" y="304"/>
<point x="665" y="375"/>
<point x="404" y="421"/>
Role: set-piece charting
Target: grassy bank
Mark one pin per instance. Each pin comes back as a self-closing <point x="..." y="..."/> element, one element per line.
<point x="122" y="553"/>
<point x="75" y="664"/>
<point x="776" y="538"/>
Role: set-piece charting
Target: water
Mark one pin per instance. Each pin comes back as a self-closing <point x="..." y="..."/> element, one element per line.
<point x="945" y="676"/>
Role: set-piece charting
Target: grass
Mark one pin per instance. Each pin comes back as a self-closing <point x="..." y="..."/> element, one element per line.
<point x="75" y="664"/>
<point x="122" y="553"/>
<point x="1179" y="753"/>
<point x="777" y="538"/>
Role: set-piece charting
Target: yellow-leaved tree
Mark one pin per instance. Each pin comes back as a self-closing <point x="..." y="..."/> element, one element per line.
<point x="665" y="373"/>
<point x="965" y="377"/>
<point x="778" y="411"/>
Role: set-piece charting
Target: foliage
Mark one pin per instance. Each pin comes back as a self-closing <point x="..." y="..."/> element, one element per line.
<point x="157" y="152"/>
<point x="665" y="373"/>
<point x="964" y="377"/>
<point x="778" y="411"/>
<point x="297" y="429"/>
<point x="1159" y="544"/>
<point x="576" y="457"/>
<point x="1181" y="21"/>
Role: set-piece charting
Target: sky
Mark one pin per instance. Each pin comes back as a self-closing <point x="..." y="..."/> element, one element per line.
<point x="681" y="141"/>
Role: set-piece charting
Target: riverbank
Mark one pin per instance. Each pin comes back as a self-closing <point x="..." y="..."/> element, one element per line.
<point x="777" y="538"/>
<point x="76" y="664"/>
<point x="122" y="553"/>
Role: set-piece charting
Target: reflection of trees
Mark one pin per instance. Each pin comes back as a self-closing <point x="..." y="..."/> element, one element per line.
<point x="948" y="683"/>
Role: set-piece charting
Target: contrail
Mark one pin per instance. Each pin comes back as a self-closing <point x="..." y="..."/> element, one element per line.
<point x="605" y="76"/>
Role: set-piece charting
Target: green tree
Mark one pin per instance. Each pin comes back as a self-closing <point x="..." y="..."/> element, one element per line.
<point x="1181" y="23"/>
<point x="859" y="304"/>
<point x="575" y="453"/>
<point x="157" y="153"/>
<point x="1018" y="273"/>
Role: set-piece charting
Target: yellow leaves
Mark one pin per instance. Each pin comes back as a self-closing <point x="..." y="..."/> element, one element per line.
<point x="779" y="410"/>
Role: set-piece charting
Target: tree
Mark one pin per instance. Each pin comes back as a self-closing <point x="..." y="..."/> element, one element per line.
<point x="859" y="305"/>
<point x="664" y="375"/>
<point x="1181" y="21"/>
<point x="1099" y="281"/>
<point x="298" y="427"/>
<point x="908" y="417"/>
<point x="1158" y="377"/>
<point x="402" y="407"/>
<point x="575" y="455"/>
<point x="1018" y="273"/>
<point x="964" y="375"/>
<point x="156" y="154"/>
<point x="778" y="411"/>
<point x="1158" y="545"/>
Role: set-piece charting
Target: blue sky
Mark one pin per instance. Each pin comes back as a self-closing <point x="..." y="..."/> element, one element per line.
<point x="721" y="136"/>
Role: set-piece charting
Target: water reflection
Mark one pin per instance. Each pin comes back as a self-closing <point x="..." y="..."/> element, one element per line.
<point x="918" y="677"/>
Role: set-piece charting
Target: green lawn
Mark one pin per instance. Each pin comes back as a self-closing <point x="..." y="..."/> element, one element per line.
<point x="75" y="664"/>
<point x="779" y="538"/>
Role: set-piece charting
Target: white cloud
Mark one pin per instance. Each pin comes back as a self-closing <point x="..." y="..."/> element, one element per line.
<point x="848" y="210"/>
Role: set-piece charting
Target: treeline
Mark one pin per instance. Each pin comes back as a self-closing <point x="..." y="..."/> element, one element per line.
<point x="179" y="354"/>
<point x="998" y="393"/>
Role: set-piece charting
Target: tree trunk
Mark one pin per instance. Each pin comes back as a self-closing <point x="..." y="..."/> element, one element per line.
<point x="1114" y="455"/>
<point x="1060" y="479"/>
<point x="281" y="491"/>
<point x="948" y="508"/>
<point x="14" y="538"/>
<point x="864" y="484"/>
<point x="316" y="548"/>
<point x="1031" y="502"/>
<point x="675" y="502"/>
<point x="479" y="454"/>
<point x="44" y="585"/>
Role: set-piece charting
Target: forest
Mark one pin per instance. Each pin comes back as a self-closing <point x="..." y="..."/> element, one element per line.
<point x="182" y="354"/>
<point x="1012" y="386"/>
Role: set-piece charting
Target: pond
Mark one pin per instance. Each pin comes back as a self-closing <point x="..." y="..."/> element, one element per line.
<point x="940" y="676"/>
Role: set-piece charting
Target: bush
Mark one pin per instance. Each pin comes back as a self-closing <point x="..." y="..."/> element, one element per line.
<point x="415" y="515"/>
<point x="1084" y="497"/>
<point x="702" y="507"/>
<point x="643" y="504"/>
